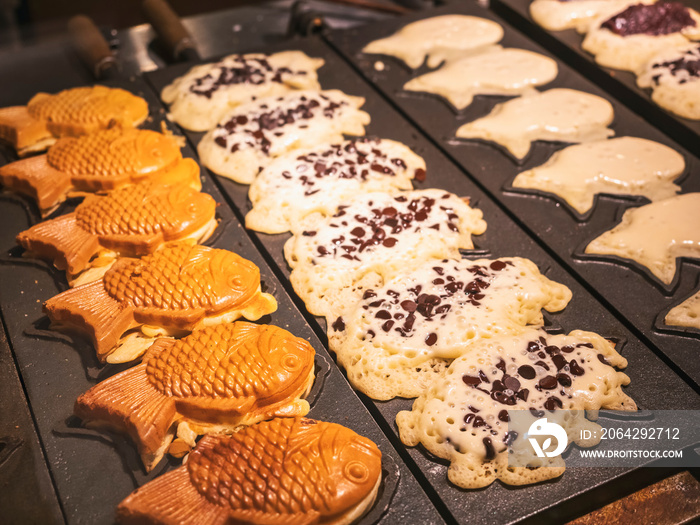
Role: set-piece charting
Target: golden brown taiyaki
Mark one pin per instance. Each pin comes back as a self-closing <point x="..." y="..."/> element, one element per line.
<point x="291" y="471"/>
<point x="212" y="381"/>
<point x="179" y="288"/>
<point x="102" y="161"/>
<point x="70" y="113"/>
<point x="127" y="222"/>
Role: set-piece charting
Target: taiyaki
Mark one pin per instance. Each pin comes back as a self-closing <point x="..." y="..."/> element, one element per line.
<point x="438" y="38"/>
<point x="655" y="235"/>
<point x="618" y="166"/>
<point x="631" y="37"/>
<point x="127" y="222"/>
<point x="321" y="178"/>
<point x="495" y="71"/>
<point x="561" y="115"/>
<point x="100" y="161"/>
<point x="249" y="137"/>
<point x="202" y="97"/>
<point x="70" y="113"/>
<point x="181" y="287"/>
<point x="212" y="381"/>
<point x="395" y="340"/>
<point x="463" y="415"/>
<point x="375" y="236"/>
<point x="292" y="471"/>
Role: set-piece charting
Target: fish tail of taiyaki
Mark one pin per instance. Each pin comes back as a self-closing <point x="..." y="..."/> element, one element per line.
<point x="25" y="133"/>
<point x="37" y="179"/>
<point x="89" y="310"/>
<point x="170" y="499"/>
<point x="130" y="403"/>
<point x="61" y="240"/>
<point x="185" y="171"/>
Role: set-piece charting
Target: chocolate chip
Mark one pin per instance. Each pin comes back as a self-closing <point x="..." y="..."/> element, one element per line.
<point x="512" y="383"/>
<point x="339" y="325"/>
<point x="387" y="325"/>
<point x="602" y="359"/>
<point x="497" y="266"/>
<point x="503" y="416"/>
<point x="564" y="380"/>
<point x="553" y="403"/>
<point x="389" y="242"/>
<point x="408" y="305"/>
<point x="575" y="369"/>
<point x="543" y="365"/>
<point x="490" y="451"/>
<point x="548" y="383"/>
<point x="471" y="380"/>
<point x="420" y="174"/>
<point x="559" y="361"/>
<point x="431" y="339"/>
<point x="527" y="372"/>
<point x="383" y="314"/>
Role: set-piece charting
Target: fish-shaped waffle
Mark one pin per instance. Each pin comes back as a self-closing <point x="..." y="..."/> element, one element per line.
<point x="248" y="138"/>
<point x="129" y="222"/>
<point x="394" y="341"/>
<point x="372" y="238"/>
<point x="101" y="161"/>
<point x="463" y="415"/>
<point x="202" y="96"/>
<point x="70" y="113"/>
<point x="292" y="471"/>
<point x="213" y="381"/>
<point x="179" y="288"/>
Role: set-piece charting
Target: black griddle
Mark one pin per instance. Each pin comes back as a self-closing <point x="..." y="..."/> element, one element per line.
<point x="654" y="385"/>
<point x="621" y="84"/>
<point x="629" y="290"/>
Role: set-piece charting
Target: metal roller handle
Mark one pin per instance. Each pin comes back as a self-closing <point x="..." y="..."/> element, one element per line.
<point x="91" y="46"/>
<point x="169" y="28"/>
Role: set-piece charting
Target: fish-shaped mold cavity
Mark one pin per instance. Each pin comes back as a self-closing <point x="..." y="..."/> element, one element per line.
<point x="129" y="222"/>
<point x="288" y="470"/>
<point x="179" y="288"/>
<point x="101" y="161"/>
<point x="215" y="380"/>
<point x="70" y="113"/>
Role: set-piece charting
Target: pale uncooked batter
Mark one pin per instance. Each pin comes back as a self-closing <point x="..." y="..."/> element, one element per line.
<point x="564" y="115"/>
<point x="619" y="166"/>
<point x="496" y="71"/>
<point x="655" y="235"/>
